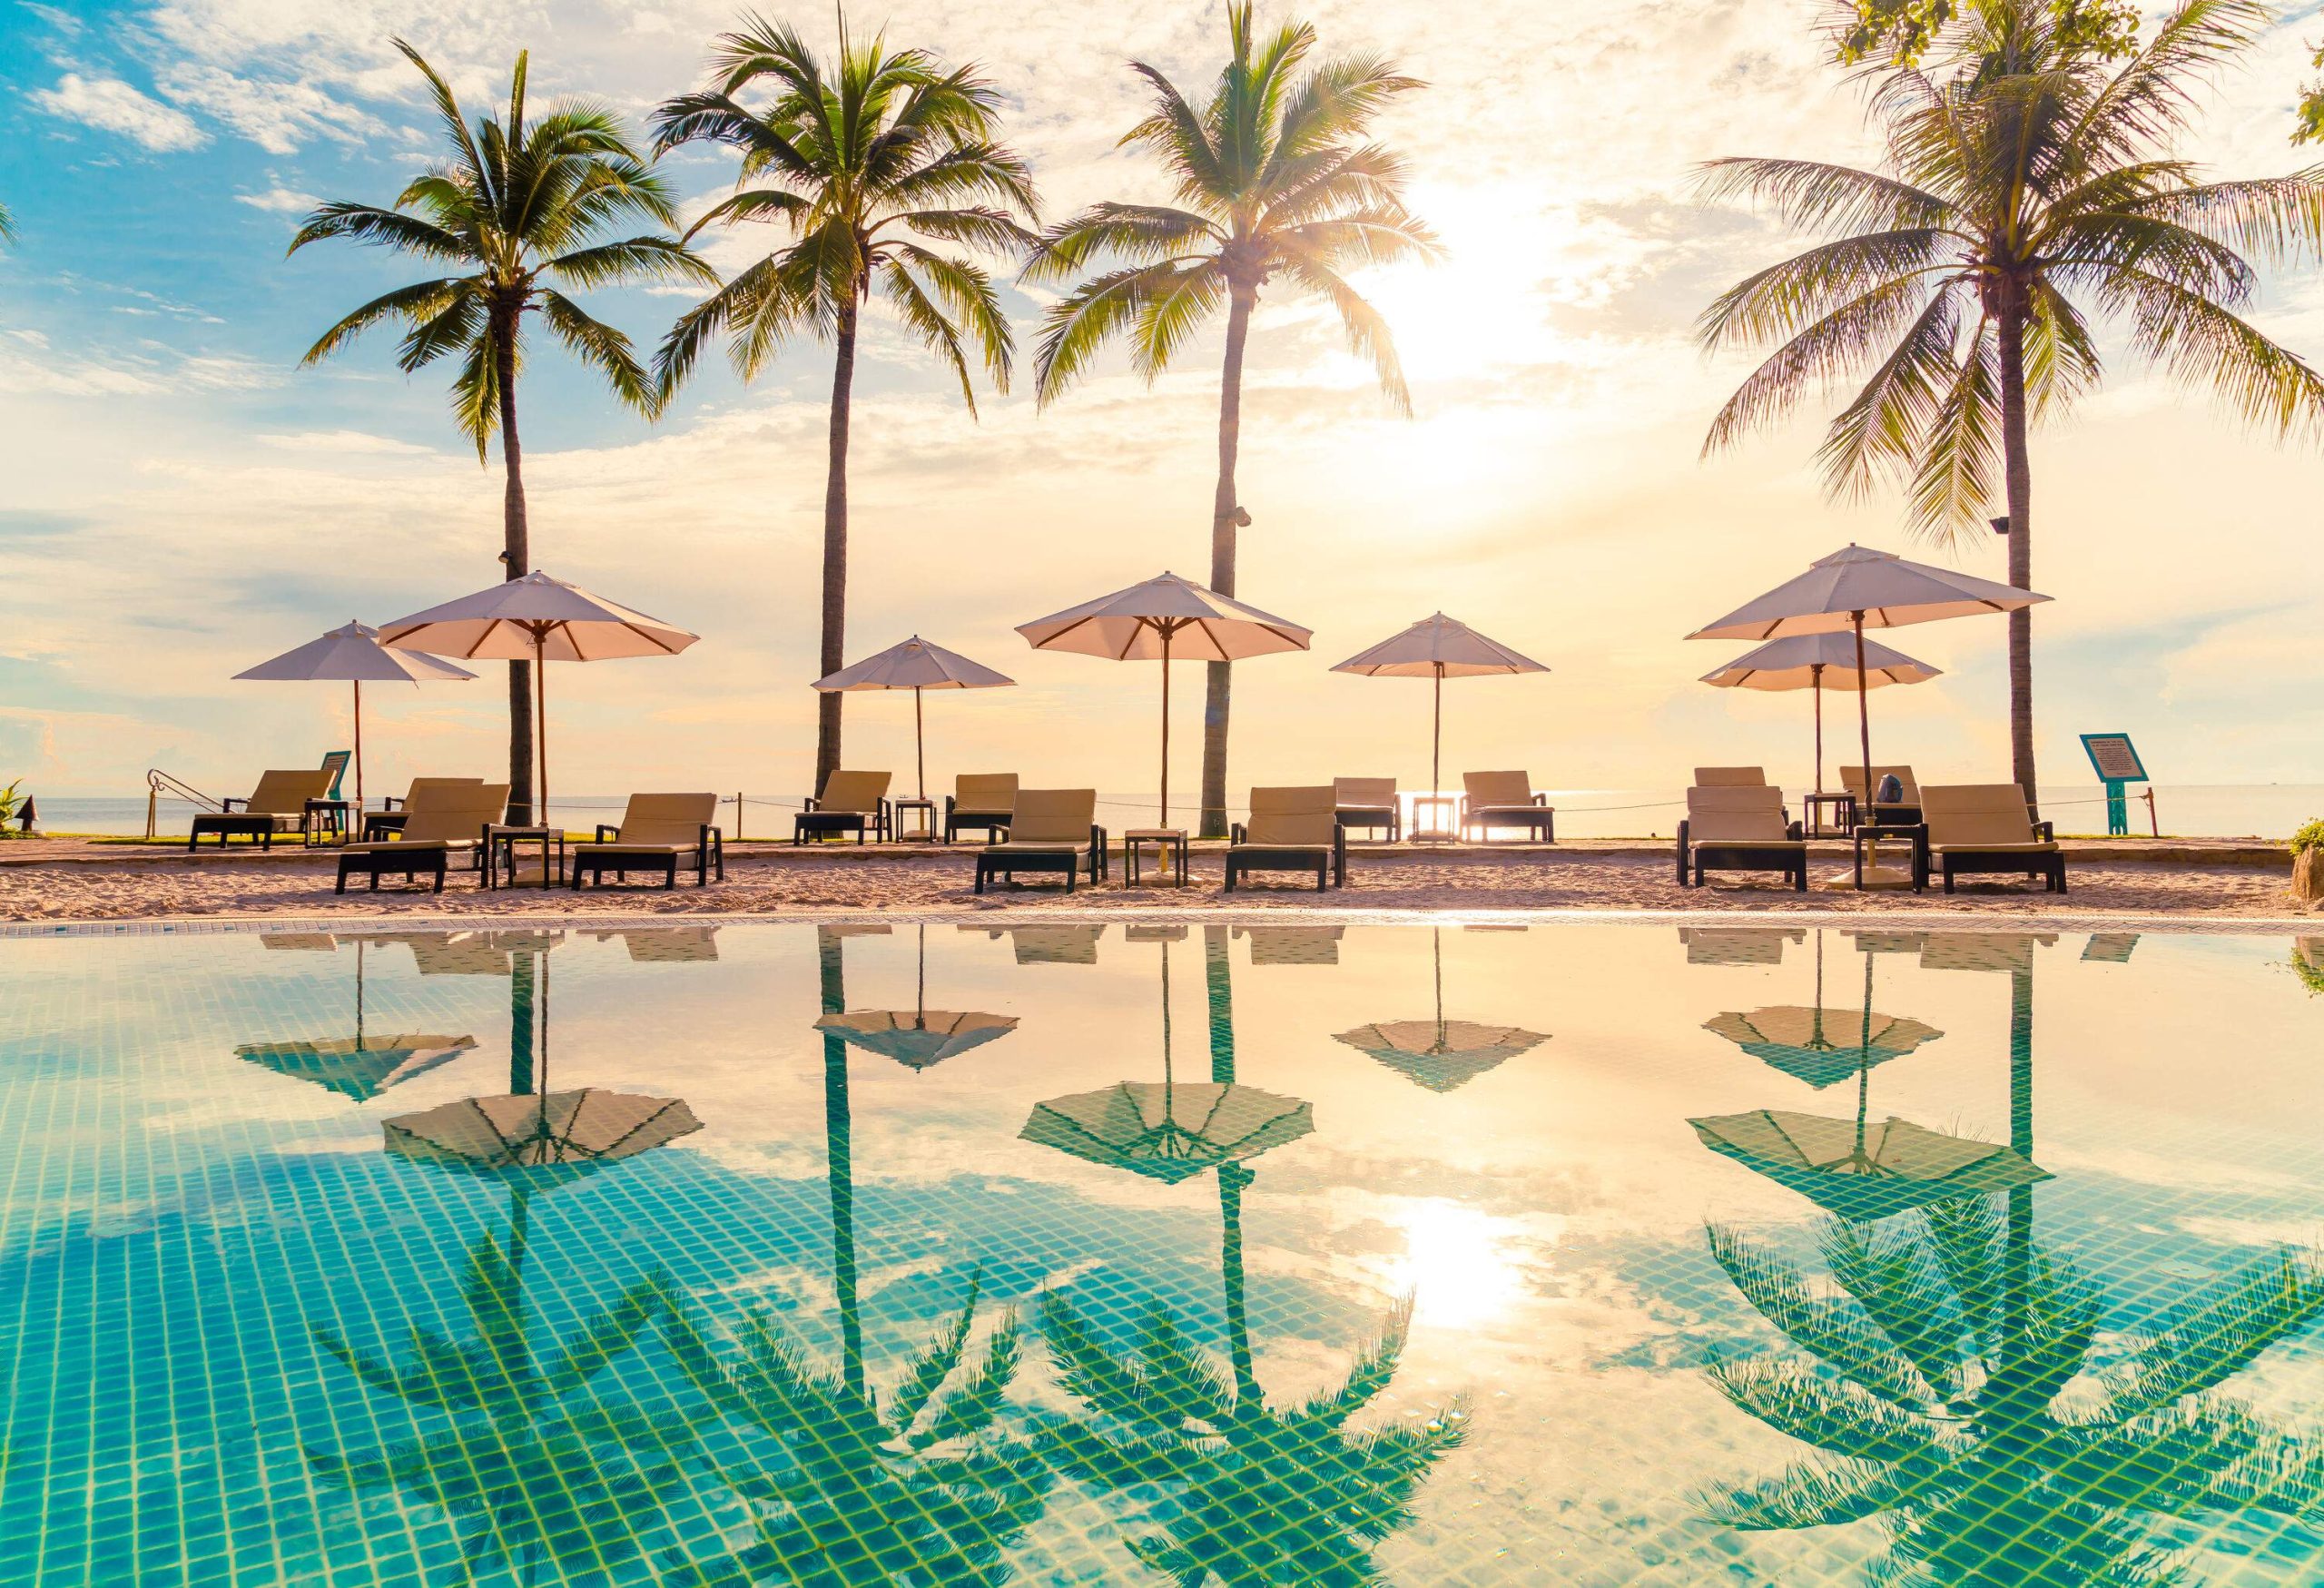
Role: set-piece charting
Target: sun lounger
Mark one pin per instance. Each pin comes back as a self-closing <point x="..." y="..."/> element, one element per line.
<point x="388" y="821"/>
<point x="1290" y="830"/>
<point x="982" y="800"/>
<point x="442" y="821"/>
<point x="1985" y="827"/>
<point x="1730" y="777"/>
<point x="656" y="833"/>
<point x="1734" y="828"/>
<point x="1900" y="813"/>
<point x="851" y="801"/>
<point x="1049" y="830"/>
<point x="278" y="805"/>
<point x="1371" y="803"/>
<point x="1505" y="799"/>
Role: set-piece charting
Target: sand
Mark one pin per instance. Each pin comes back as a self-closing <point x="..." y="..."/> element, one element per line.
<point x="64" y="881"/>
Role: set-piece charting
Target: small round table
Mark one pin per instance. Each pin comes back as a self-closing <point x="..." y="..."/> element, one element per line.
<point x="326" y="818"/>
<point x="1445" y="831"/>
<point x="1843" y="809"/>
<point x="1169" y="844"/>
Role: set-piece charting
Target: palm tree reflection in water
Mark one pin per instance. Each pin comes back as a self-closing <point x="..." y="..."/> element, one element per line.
<point x="1258" y="1493"/>
<point x="914" y="1486"/>
<point x="1951" y="1386"/>
<point x="545" y="1473"/>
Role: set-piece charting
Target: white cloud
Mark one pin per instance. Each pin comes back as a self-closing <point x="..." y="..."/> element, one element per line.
<point x="279" y="199"/>
<point x="116" y="107"/>
<point x="344" y="442"/>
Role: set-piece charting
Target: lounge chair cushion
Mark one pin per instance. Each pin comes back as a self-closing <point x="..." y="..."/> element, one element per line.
<point x="1498" y="790"/>
<point x="1977" y="816"/>
<point x="1052" y="818"/>
<point x="665" y="821"/>
<point x="984" y="793"/>
<point x="1365" y="793"/>
<point x="286" y="793"/>
<point x="453" y="815"/>
<point x="1737" y="814"/>
<point x="1730" y="777"/>
<point x="1292" y="818"/>
<point x="854" y="792"/>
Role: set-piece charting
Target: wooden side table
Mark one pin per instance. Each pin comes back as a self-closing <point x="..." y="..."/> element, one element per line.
<point x="500" y="851"/>
<point x="1841" y="805"/>
<point x="926" y="832"/>
<point x="327" y="818"/>
<point x="1169" y="845"/>
<point x="1446" y="829"/>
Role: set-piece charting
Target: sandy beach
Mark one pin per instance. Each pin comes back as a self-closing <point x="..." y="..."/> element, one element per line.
<point x="64" y="880"/>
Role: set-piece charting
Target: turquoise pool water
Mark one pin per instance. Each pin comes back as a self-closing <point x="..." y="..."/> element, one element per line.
<point x="1278" y="1254"/>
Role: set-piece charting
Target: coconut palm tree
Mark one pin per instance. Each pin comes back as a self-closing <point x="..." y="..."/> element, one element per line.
<point x="1261" y="1492"/>
<point x="1946" y="1386"/>
<point x="519" y="210"/>
<point x="2030" y="193"/>
<point x="539" y="1467"/>
<point x="884" y="172"/>
<point x="911" y="1484"/>
<point x="1279" y="185"/>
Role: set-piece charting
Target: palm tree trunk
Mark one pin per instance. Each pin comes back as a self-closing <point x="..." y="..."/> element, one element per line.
<point x="516" y="552"/>
<point x="1224" y="505"/>
<point x="2018" y="472"/>
<point x="834" y="641"/>
<point x="840" y="1165"/>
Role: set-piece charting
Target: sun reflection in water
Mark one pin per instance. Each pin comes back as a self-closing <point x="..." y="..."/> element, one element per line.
<point x="1457" y="1263"/>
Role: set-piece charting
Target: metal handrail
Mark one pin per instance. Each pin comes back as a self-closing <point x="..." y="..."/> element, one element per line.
<point x="159" y="782"/>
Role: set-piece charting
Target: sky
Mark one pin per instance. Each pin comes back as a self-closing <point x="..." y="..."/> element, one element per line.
<point x="182" y="499"/>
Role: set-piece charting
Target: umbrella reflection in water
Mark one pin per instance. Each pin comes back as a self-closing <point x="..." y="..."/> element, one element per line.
<point x="362" y="1066"/>
<point x="918" y="1037"/>
<point x="1441" y="1054"/>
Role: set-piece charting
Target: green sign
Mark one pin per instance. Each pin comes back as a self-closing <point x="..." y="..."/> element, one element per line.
<point x="2112" y="758"/>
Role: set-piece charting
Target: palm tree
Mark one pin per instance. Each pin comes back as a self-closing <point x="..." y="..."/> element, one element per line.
<point x="539" y="1467"/>
<point x="912" y="1484"/>
<point x="7" y="225"/>
<point x="1278" y="184"/>
<point x="1947" y="1388"/>
<point x="871" y="168"/>
<point x="519" y="205"/>
<point x="1261" y="1492"/>
<point x="2030" y="189"/>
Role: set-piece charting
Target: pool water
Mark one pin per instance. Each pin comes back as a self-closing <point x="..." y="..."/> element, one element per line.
<point x="1259" y="1253"/>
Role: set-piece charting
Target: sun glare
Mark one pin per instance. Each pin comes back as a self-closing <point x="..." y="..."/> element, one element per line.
<point x="1456" y="1264"/>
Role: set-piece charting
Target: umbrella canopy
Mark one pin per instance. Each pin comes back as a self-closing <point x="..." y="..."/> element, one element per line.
<point x="1169" y="1132"/>
<point x="915" y="665"/>
<point x="1863" y="1172"/>
<point x="1167" y="618"/>
<point x="536" y="618"/>
<point x="539" y="1139"/>
<point x="358" y="1067"/>
<point x="1441" y="1054"/>
<point x="1438" y="647"/>
<point x="1801" y="1043"/>
<point x="355" y="655"/>
<point x="1819" y="662"/>
<point x="918" y="1038"/>
<point x="1856" y="588"/>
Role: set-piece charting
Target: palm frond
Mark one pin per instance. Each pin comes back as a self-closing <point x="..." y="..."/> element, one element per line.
<point x="1835" y="1332"/>
<point x="610" y="1334"/>
<point x="1834" y="1415"/>
<point x="633" y="258"/>
<point x="1957" y="469"/>
<point x="1786" y="299"/>
<point x="1135" y="233"/>
<point x="1884" y="427"/>
<point x="1368" y="336"/>
<point x="387" y="228"/>
<point x="973" y="1408"/>
<point x="456" y="321"/>
<point x="933" y="1363"/>
<point x="2219" y="1332"/>
<point x="599" y="345"/>
<point x="970" y="301"/>
<point x="1176" y="306"/>
<point x="1825" y="1492"/>
<point x="1812" y="195"/>
<point x="2276" y="217"/>
<point x="1174" y="133"/>
<point x="420" y="302"/>
<point x="1076" y="327"/>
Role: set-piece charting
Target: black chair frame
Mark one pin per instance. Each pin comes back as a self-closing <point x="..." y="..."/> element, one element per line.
<point x="604" y="853"/>
<point x="1729" y="856"/>
<point x="1329" y="861"/>
<point x="1061" y="861"/>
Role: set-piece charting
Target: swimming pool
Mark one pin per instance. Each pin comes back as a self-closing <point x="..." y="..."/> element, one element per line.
<point x="1079" y="1254"/>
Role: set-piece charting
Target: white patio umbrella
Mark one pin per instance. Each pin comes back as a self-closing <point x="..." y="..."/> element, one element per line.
<point x="539" y="619"/>
<point x="915" y="665"/>
<point x="1819" y="662"/>
<point x="1858" y="588"/>
<point x="355" y="655"/>
<point x="1165" y="619"/>
<point x="1438" y="647"/>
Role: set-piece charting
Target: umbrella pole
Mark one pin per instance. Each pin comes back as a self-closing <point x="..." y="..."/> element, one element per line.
<point x="540" y="716"/>
<point x="1165" y="821"/>
<point x="359" y="746"/>
<point x="919" y="740"/>
<point x="1436" y="738"/>
<point x="1863" y="716"/>
<point x="1815" y="689"/>
<point x="1436" y="949"/>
